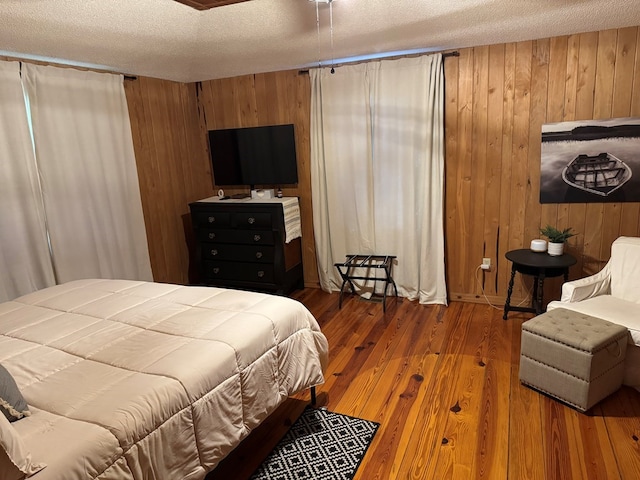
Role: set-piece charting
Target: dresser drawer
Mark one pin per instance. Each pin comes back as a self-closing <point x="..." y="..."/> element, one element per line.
<point x="252" y="220"/>
<point x="241" y="244"/>
<point x="239" y="253"/>
<point x="248" y="237"/>
<point x="247" y="272"/>
<point x="212" y="219"/>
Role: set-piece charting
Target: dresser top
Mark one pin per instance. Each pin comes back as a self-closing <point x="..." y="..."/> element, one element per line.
<point x="216" y="199"/>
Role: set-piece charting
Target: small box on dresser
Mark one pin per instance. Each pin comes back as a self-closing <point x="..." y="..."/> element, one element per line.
<point x="241" y="244"/>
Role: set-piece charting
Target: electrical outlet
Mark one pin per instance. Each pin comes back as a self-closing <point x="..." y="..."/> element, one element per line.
<point x="486" y="264"/>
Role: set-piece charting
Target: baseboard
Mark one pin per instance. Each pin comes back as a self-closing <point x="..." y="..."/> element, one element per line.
<point x="495" y="300"/>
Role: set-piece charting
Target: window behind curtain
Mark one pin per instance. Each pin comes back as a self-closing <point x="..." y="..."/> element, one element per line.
<point x="82" y="182"/>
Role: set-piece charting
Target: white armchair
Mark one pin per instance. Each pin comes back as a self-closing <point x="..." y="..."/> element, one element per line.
<point x="612" y="294"/>
<point x="588" y="287"/>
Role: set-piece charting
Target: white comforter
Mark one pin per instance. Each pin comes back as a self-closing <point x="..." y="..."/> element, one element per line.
<point x="133" y="380"/>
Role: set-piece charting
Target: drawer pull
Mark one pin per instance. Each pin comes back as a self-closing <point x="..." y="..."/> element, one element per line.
<point x="216" y="270"/>
<point x="258" y="254"/>
<point x="212" y="219"/>
<point x="260" y="273"/>
<point x="212" y="236"/>
<point x="257" y="238"/>
<point x="214" y="252"/>
<point x="251" y="220"/>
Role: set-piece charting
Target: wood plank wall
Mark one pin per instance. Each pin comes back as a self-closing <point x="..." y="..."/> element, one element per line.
<point x="173" y="170"/>
<point x="269" y="99"/>
<point x="497" y="98"/>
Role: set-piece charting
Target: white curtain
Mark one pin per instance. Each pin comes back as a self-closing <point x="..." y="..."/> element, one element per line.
<point x="24" y="255"/>
<point x="84" y="152"/>
<point x="377" y="170"/>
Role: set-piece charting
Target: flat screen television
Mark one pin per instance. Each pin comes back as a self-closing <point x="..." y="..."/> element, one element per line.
<point x="254" y="156"/>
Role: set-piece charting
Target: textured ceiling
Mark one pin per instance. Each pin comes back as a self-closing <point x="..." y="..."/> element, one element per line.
<point x="170" y="40"/>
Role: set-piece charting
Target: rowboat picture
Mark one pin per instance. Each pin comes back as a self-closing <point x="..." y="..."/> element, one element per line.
<point x="600" y="174"/>
<point x="590" y="161"/>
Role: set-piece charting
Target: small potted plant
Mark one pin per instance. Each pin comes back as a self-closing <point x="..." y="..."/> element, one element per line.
<point x="557" y="239"/>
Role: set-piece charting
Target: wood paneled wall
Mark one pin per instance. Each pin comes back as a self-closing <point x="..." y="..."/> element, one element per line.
<point x="169" y="122"/>
<point x="173" y="169"/>
<point x="497" y="98"/>
<point x="269" y="99"/>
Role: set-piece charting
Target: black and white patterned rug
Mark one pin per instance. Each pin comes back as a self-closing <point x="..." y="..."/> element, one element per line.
<point x="320" y="445"/>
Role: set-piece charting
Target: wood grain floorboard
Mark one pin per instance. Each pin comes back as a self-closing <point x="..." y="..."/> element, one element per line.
<point x="443" y="383"/>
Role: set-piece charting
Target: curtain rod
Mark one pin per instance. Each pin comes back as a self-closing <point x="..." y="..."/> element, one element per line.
<point x="455" y="53"/>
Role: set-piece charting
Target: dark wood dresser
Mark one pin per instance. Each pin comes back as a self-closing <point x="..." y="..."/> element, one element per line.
<point x="241" y="244"/>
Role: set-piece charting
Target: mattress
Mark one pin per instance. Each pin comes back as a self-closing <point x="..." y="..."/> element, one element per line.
<point x="134" y="380"/>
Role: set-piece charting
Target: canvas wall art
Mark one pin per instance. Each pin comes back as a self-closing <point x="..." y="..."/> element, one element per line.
<point x="590" y="161"/>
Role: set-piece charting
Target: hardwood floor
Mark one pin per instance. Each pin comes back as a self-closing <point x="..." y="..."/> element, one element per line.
<point x="443" y="383"/>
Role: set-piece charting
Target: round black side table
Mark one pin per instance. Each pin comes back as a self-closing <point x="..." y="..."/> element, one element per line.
<point x="540" y="265"/>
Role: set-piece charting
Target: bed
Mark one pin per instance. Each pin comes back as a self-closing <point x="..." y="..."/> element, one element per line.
<point x="133" y="380"/>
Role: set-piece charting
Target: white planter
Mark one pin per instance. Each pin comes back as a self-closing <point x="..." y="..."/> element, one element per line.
<point x="555" y="249"/>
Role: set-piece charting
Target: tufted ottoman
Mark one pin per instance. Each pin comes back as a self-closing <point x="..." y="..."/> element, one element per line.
<point x="573" y="357"/>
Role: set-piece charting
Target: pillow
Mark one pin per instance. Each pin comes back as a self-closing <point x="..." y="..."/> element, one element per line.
<point x="12" y="403"/>
<point x="15" y="460"/>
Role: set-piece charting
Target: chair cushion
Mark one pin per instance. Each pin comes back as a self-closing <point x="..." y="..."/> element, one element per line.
<point x="609" y="308"/>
